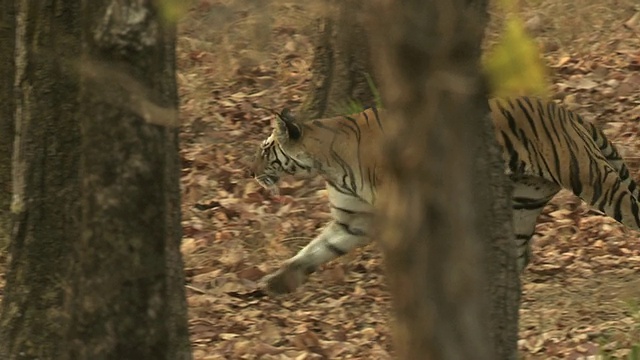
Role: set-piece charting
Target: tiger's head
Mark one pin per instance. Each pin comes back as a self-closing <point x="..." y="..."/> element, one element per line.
<point x="282" y="153"/>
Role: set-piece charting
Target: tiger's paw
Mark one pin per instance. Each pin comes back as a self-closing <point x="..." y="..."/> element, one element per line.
<point x="284" y="281"/>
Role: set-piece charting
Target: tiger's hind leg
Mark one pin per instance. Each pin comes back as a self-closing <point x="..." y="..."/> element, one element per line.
<point x="530" y="195"/>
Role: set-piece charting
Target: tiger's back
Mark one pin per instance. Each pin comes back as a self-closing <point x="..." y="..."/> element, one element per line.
<point x="543" y="140"/>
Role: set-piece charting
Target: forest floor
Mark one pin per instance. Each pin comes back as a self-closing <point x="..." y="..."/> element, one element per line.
<point x="580" y="294"/>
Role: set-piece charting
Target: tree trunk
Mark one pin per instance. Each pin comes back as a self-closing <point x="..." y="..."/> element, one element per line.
<point x="95" y="269"/>
<point x="341" y="61"/>
<point x="45" y="178"/>
<point x="7" y="109"/>
<point x="127" y="296"/>
<point x="447" y="234"/>
<point x="494" y="221"/>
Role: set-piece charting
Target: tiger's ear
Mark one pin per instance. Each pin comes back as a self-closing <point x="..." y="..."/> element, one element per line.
<point x="287" y="127"/>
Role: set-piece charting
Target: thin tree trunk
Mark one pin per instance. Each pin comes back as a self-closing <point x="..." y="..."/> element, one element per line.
<point x="7" y="109"/>
<point x="127" y="297"/>
<point x="45" y="179"/>
<point x="446" y="189"/>
<point x="493" y="204"/>
<point x="341" y="61"/>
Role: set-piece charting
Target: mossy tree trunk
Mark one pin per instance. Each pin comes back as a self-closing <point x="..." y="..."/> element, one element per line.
<point x="7" y="109"/>
<point x="45" y="178"/>
<point x="447" y="234"/>
<point x="95" y="269"/>
<point x="127" y="297"/>
<point x="342" y="61"/>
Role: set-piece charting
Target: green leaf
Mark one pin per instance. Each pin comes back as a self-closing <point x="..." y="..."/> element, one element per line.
<point x="514" y="66"/>
<point x="173" y="10"/>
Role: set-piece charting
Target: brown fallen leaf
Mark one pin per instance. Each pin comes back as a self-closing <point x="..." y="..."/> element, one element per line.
<point x="534" y="24"/>
<point x="261" y="349"/>
<point x="252" y="273"/>
<point x="634" y="22"/>
<point x="547" y="269"/>
<point x="335" y="275"/>
<point x="308" y="340"/>
<point x="562" y="61"/>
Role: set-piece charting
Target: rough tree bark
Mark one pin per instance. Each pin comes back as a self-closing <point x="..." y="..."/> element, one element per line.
<point x="45" y="178"/>
<point x="447" y="234"/>
<point x="341" y="60"/>
<point x="127" y="297"/>
<point x="95" y="270"/>
<point x="7" y="123"/>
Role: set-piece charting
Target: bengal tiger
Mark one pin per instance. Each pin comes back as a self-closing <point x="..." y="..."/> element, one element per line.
<point x="545" y="146"/>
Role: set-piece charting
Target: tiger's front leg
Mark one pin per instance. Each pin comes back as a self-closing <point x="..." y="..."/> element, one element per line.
<point x="348" y="230"/>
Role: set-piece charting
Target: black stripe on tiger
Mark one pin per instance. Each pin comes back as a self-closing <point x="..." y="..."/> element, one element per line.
<point x="366" y="118"/>
<point x="347" y="171"/>
<point x="357" y="132"/>
<point x="636" y="211"/>
<point x="530" y="120"/>
<point x="341" y="190"/>
<point x="375" y="112"/>
<point x="346" y="211"/>
<point x="350" y="231"/>
<point x="334" y="249"/>
<point x="515" y="165"/>
<point x="522" y="203"/>
<point x="556" y="159"/>
<point x="617" y="211"/>
<point x="595" y="173"/>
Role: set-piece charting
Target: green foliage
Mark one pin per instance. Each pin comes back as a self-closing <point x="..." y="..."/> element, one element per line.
<point x="173" y="10"/>
<point x="374" y="90"/>
<point x="352" y="106"/>
<point x="514" y="66"/>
